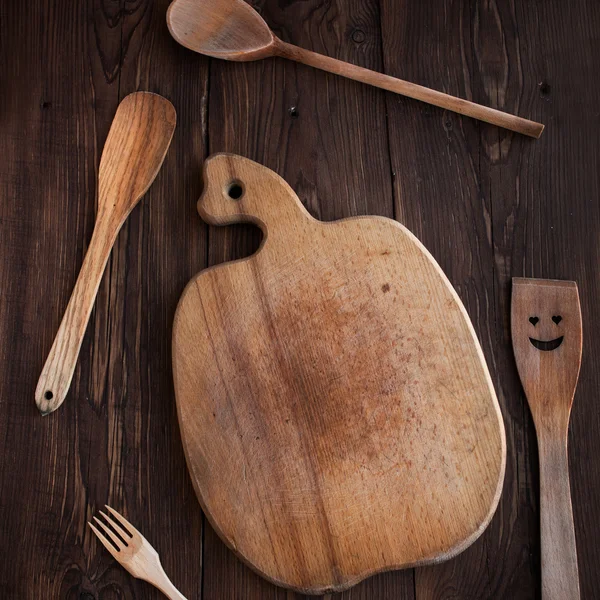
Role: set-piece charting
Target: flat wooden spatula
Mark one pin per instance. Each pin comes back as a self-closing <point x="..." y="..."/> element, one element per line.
<point x="233" y="30"/>
<point x="137" y="142"/>
<point x="547" y="336"/>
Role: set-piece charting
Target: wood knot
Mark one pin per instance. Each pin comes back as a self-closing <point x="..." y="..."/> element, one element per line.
<point x="544" y="88"/>
<point x="358" y="36"/>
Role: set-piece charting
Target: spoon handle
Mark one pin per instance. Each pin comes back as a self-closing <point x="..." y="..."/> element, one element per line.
<point x="412" y="90"/>
<point x="55" y="380"/>
<point x="560" y="575"/>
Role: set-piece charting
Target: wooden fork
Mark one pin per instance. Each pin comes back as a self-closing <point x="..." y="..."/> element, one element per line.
<point x="133" y="551"/>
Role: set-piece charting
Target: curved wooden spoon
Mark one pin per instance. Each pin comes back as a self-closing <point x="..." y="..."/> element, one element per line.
<point x="233" y="30"/>
<point x="137" y="142"/>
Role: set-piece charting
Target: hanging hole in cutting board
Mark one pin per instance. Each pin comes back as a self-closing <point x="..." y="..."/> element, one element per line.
<point x="235" y="190"/>
<point x="48" y="395"/>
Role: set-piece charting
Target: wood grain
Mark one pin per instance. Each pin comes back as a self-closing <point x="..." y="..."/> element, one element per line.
<point x="430" y="148"/>
<point x="337" y="416"/>
<point x="489" y="205"/>
<point x="118" y="441"/>
<point x="547" y="337"/>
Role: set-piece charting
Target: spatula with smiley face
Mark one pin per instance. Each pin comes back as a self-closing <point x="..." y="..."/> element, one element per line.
<point x="546" y="335"/>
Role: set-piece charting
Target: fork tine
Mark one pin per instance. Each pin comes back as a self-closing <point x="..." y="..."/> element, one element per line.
<point x="117" y="526"/>
<point x="104" y="541"/>
<point x="107" y="532"/>
<point x="121" y="518"/>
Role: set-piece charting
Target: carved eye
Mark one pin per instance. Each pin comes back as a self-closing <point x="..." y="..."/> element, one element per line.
<point x="533" y="320"/>
<point x="557" y="319"/>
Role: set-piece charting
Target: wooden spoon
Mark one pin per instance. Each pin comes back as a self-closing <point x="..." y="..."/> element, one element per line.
<point x="233" y="30"/>
<point x="133" y="154"/>
<point x="546" y="336"/>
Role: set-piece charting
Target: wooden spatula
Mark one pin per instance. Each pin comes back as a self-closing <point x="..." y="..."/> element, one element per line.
<point x="546" y="335"/>
<point x="233" y="30"/>
<point x="137" y="142"/>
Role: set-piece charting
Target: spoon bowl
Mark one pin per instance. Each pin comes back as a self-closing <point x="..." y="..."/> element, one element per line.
<point x="227" y="29"/>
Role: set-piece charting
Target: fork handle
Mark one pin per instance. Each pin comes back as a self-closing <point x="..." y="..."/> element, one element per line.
<point x="164" y="584"/>
<point x="170" y="591"/>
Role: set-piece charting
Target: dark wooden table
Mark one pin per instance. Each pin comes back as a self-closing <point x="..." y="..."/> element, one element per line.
<point x="488" y="204"/>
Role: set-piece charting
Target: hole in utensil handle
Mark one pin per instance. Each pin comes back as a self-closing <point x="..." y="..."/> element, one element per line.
<point x="235" y="190"/>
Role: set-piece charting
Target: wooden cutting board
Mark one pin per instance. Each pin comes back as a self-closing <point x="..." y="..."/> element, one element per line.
<point x="335" y="407"/>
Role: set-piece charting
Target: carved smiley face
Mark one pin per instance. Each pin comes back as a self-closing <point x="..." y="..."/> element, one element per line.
<point x="546" y="335"/>
<point x="546" y="345"/>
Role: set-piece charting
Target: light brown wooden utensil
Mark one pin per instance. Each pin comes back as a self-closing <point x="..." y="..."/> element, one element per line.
<point x="233" y="30"/>
<point x="547" y="337"/>
<point x="137" y="142"/>
<point x="336" y="411"/>
<point x="133" y="551"/>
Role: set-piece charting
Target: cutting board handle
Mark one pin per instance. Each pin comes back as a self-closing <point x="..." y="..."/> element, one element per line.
<point x="239" y="190"/>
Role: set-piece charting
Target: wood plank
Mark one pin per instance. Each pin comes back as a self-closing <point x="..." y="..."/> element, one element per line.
<point x="116" y="439"/>
<point x="50" y="141"/>
<point x="443" y="194"/>
<point x="164" y="244"/>
<point x="555" y="221"/>
<point x="507" y="176"/>
<point x="327" y="137"/>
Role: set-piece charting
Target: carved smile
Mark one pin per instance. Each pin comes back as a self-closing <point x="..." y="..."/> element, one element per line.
<point x="546" y="346"/>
